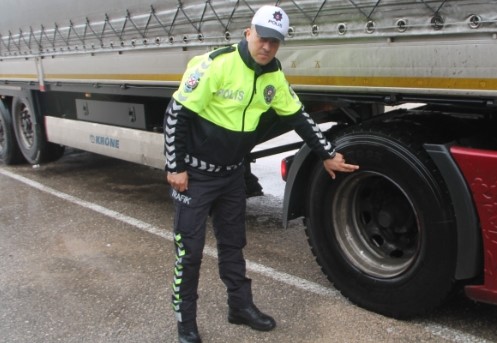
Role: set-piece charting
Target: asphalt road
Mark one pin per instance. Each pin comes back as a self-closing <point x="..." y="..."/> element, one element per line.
<point x="86" y="256"/>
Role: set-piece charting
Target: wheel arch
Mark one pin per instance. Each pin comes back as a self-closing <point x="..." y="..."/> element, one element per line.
<point x="469" y="242"/>
<point x="296" y="184"/>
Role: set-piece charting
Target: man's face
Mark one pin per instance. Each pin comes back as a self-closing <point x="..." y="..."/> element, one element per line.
<point x="261" y="49"/>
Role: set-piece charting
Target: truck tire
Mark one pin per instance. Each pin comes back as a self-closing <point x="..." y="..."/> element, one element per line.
<point x="384" y="235"/>
<point x="9" y="149"/>
<point x="30" y="134"/>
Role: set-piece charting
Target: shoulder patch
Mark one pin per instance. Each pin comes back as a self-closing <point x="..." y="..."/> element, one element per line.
<point x="220" y="51"/>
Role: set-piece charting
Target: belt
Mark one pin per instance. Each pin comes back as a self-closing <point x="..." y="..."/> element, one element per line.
<point x="196" y="163"/>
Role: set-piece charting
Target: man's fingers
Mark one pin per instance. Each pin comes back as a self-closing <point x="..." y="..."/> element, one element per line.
<point x="345" y="167"/>
<point x="332" y="173"/>
<point x="178" y="181"/>
<point x="350" y="167"/>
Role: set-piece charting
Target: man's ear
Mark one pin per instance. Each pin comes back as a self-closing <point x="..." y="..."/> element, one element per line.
<point x="246" y="33"/>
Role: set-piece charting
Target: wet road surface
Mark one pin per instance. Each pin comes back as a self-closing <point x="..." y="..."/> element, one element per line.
<point x="86" y="255"/>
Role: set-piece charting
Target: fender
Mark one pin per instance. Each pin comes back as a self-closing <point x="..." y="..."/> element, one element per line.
<point x="469" y="253"/>
<point x="295" y="194"/>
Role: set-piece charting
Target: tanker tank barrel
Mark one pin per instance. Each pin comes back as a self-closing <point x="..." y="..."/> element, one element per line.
<point x="50" y="29"/>
<point x="389" y="46"/>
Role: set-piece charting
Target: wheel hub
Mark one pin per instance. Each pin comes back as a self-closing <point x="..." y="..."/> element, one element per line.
<point x="375" y="225"/>
<point x="25" y="125"/>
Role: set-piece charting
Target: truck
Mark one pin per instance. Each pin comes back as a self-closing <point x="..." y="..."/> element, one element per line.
<point x="409" y="87"/>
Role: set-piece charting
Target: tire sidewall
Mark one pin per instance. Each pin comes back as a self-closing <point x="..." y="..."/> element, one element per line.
<point x="32" y="153"/>
<point x="10" y="154"/>
<point x="430" y="275"/>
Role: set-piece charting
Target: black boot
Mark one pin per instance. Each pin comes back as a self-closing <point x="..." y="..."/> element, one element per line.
<point x="188" y="332"/>
<point x="252" y="317"/>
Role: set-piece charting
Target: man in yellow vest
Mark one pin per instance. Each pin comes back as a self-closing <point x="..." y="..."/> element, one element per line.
<point x="210" y="125"/>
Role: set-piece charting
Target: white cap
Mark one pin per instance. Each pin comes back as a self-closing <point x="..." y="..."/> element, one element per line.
<point x="271" y="22"/>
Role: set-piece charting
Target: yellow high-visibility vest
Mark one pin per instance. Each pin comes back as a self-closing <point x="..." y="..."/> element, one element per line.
<point x="226" y="92"/>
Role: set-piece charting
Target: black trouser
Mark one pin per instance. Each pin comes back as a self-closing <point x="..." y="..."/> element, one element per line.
<point x="223" y="197"/>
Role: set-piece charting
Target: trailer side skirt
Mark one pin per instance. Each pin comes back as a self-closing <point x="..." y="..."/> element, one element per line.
<point x="127" y="144"/>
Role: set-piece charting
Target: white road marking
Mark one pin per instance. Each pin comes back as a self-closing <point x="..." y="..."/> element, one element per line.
<point x="452" y="335"/>
<point x="449" y="334"/>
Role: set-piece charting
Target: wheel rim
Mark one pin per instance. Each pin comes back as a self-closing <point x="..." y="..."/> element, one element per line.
<point x="24" y="121"/>
<point x="375" y="225"/>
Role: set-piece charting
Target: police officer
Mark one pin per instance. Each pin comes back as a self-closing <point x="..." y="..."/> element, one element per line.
<point x="209" y="126"/>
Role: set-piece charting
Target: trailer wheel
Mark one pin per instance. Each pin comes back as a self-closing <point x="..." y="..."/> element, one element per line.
<point x="9" y="150"/>
<point x="30" y="136"/>
<point x="384" y="235"/>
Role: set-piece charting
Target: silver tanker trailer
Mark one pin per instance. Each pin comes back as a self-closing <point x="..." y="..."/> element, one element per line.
<point x="396" y="237"/>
